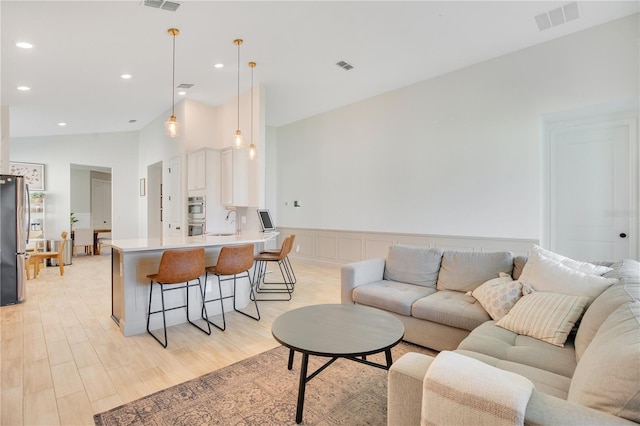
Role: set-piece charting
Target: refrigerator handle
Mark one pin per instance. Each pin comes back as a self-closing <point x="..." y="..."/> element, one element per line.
<point x="26" y="186"/>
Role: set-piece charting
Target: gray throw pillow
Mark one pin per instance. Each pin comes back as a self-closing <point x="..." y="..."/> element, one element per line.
<point x="413" y="265"/>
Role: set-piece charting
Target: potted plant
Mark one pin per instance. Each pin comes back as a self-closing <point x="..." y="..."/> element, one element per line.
<point x="72" y="219"/>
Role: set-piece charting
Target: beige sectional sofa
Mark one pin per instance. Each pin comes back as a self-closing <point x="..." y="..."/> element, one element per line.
<point x="592" y="377"/>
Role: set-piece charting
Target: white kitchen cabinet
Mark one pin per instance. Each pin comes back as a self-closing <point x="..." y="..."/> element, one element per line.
<point x="234" y="177"/>
<point x="197" y="170"/>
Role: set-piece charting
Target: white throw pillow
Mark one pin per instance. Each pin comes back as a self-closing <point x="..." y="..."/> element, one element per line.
<point x="545" y="316"/>
<point x="587" y="268"/>
<point x="497" y="296"/>
<point x="544" y="274"/>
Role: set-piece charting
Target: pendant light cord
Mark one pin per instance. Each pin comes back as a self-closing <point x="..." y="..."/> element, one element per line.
<point x="173" y="78"/>
<point x="252" y="65"/>
<point x="239" y="85"/>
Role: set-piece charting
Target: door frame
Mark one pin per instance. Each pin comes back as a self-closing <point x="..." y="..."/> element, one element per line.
<point x="630" y="121"/>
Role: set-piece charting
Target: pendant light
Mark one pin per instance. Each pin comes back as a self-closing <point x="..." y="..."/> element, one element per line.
<point x="252" y="147"/>
<point x="171" y="126"/>
<point x="238" y="139"/>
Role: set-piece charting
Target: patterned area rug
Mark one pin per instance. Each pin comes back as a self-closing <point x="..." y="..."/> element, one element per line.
<point x="261" y="391"/>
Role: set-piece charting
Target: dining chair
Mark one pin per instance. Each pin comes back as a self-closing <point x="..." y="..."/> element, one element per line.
<point x="177" y="266"/>
<point x="37" y="257"/>
<point x="83" y="237"/>
<point x="104" y="238"/>
<point x="233" y="262"/>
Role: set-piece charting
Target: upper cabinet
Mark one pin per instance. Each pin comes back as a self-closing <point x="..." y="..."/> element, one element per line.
<point x="234" y="175"/>
<point x="197" y="170"/>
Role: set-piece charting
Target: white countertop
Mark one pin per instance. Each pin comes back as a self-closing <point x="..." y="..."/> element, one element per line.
<point x="143" y="244"/>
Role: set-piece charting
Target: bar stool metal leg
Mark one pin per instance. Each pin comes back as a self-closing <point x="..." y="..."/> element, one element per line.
<point x="205" y="317"/>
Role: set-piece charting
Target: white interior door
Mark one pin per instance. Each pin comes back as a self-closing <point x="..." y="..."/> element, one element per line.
<point x="592" y="192"/>
<point x="101" y="203"/>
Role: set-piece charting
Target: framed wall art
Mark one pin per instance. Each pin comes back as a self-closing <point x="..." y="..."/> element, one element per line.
<point x="33" y="174"/>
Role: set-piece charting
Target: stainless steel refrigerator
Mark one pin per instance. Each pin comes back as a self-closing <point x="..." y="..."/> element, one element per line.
<point x="13" y="238"/>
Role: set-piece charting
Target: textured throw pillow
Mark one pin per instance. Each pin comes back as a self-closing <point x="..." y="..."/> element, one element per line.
<point x="413" y="265"/>
<point x="607" y="377"/>
<point x="545" y="316"/>
<point x="587" y="268"/>
<point x="497" y="296"/>
<point x="547" y="275"/>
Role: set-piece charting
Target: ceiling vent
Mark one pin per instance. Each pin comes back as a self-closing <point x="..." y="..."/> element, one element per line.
<point x="160" y="4"/>
<point x="558" y="16"/>
<point x="344" y="65"/>
<point x="185" y="86"/>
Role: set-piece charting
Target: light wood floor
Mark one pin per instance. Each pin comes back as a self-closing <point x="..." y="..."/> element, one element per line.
<point x="63" y="359"/>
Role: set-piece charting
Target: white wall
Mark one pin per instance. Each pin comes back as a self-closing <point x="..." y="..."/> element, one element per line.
<point x="454" y="155"/>
<point x="119" y="151"/>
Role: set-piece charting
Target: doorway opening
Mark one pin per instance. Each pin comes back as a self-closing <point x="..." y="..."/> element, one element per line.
<point x="90" y="202"/>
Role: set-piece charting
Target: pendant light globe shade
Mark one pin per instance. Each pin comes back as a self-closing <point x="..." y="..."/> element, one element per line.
<point x="252" y="151"/>
<point x="238" y="140"/>
<point x="171" y="126"/>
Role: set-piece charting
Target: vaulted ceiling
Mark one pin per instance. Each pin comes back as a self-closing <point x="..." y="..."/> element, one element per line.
<point x="81" y="49"/>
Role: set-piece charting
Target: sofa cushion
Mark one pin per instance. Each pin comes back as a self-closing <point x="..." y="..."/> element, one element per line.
<point x="498" y="295"/>
<point x="627" y="290"/>
<point x="501" y="343"/>
<point x="451" y="308"/>
<point x="585" y="267"/>
<point x="544" y="274"/>
<point x="607" y="377"/>
<point x="544" y="381"/>
<point x="413" y="265"/>
<point x="464" y="271"/>
<point x="390" y="295"/>
<point x="545" y="316"/>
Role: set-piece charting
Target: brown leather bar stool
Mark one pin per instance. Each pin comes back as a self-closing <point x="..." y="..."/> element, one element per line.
<point x="233" y="261"/>
<point x="177" y="267"/>
<point x="292" y="276"/>
<point x="288" y="281"/>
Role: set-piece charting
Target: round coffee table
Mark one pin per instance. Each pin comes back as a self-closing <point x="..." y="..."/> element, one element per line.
<point x="336" y="331"/>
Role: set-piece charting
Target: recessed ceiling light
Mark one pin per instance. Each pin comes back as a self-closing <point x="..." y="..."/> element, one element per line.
<point x="24" y="88"/>
<point x="126" y="76"/>
<point x="62" y="124"/>
<point x="218" y="66"/>
<point x="182" y="93"/>
<point x="24" y="45"/>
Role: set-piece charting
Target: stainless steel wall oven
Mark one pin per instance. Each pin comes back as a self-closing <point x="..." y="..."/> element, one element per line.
<point x="196" y="210"/>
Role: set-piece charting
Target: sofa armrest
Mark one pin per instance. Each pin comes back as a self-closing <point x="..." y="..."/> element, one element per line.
<point x="404" y="391"/>
<point x="544" y="409"/>
<point x="354" y="274"/>
<point x="404" y="400"/>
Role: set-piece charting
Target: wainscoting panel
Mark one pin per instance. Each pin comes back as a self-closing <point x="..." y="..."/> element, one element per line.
<point x="350" y="249"/>
<point x="303" y="243"/>
<point x="326" y="247"/>
<point x="340" y="247"/>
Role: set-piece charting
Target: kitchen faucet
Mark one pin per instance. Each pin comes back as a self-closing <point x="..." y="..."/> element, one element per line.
<point x="237" y="222"/>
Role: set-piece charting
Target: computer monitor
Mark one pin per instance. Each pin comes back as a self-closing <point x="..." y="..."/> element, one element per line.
<point x="265" y="220"/>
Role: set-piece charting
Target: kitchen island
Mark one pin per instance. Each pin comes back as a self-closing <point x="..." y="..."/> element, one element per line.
<point x="132" y="260"/>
